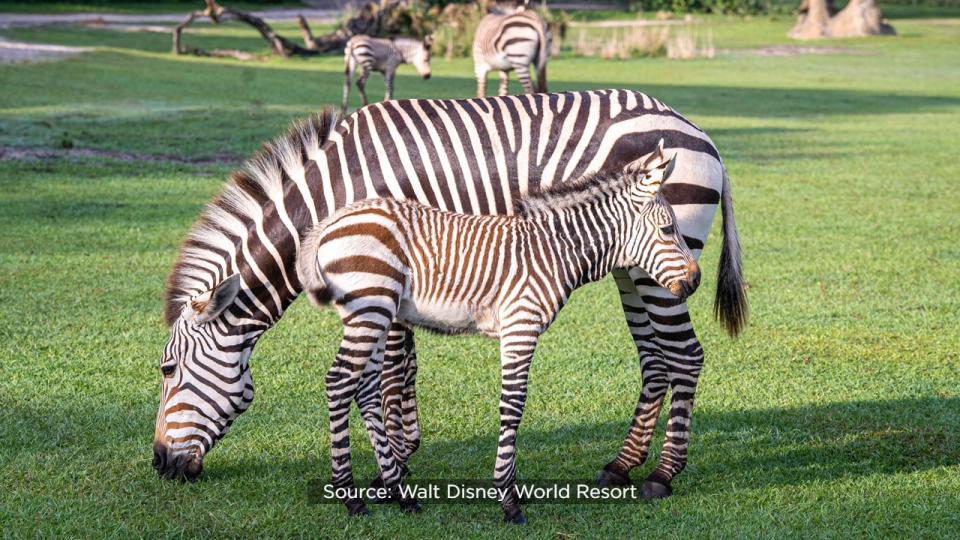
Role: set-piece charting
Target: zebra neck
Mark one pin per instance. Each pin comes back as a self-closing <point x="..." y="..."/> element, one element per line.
<point x="585" y="247"/>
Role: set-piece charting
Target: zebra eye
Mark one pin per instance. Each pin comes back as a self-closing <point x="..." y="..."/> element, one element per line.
<point x="668" y="230"/>
<point x="168" y="369"/>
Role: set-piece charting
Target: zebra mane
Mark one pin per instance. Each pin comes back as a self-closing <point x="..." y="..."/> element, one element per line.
<point x="223" y="223"/>
<point x="652" y="169"/>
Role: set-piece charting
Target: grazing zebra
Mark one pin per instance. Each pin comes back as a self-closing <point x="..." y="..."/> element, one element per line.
<point x="511" y="42"/>
<point x="469" y="156"/>
<point x="383" y="260"/>
<point x="384" y="56"/>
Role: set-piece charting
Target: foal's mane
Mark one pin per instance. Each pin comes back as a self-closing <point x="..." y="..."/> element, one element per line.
<point x="262" y="179"/>
<point x="574" y="192"/>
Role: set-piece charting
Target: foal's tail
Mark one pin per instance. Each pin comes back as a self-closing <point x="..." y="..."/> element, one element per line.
<point x="543" y="55"/>
<point x="730" y="304"/>
<point x="308" y="269"/>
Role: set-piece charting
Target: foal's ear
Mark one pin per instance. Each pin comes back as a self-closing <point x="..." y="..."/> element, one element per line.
<point x="654" y="169"/>
<point x="208" y="305"/>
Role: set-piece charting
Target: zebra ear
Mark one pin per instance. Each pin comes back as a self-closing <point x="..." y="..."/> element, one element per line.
<point x="428" y="41"/>
<point x="209" y="305"/>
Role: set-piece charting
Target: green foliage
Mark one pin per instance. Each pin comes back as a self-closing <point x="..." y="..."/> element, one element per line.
<point x="836" y="414"/>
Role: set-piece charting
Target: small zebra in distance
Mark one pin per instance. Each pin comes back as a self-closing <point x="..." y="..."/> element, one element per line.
<point x="511" y="42"/>
<point x="384" y="56"/>
<point x="383" y="261"/>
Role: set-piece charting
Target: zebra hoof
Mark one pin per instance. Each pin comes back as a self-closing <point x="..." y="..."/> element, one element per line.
<point x="378" y="486"/>
<point x="611" y="478"/>
<point x="655" y="490"/>
<point x="410" y="506"/>
<point x="355" y="507"/>
<point x="515" y="517"/>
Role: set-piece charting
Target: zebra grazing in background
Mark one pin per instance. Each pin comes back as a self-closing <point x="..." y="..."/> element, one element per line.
<point x="384" y="56"/>
<point x="235" y="275"/>
<point x="511" y="42"/>
<point x="384" y="260"/>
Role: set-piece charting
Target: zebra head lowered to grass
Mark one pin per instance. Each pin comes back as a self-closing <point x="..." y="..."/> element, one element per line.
<point x="385" y="261"/>
<point x="383" y="56"/>
<point x="469" y="156"/>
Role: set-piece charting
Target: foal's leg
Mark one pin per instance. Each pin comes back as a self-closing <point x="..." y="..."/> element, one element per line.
<point x="516" y="352"/>
<point x="392" y="383"/>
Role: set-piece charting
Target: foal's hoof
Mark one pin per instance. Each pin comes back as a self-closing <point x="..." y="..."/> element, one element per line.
<point x="410" y="506"/>
<point x="514" y="518"/>
<point x="355" y="507"/>
<point x="611" y="478"/>
<point x="374" y="498"/>
<point x="655" y="490"/>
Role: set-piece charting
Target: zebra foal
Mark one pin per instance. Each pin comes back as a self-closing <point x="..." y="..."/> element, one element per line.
<point x="507" y="277"/>
<point x="511" y="42"/>
<point x="383" y="56"/>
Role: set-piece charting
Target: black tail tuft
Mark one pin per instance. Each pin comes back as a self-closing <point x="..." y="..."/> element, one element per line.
<point x="730" y="305"/>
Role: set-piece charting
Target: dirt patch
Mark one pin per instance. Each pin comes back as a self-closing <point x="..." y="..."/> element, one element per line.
<point x="792" y="50"/>
<point x="11" y="153"/>
<point x="18" y="52"/>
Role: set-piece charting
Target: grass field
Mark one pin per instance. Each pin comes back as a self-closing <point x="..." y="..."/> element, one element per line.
<point x="837" y="414"/>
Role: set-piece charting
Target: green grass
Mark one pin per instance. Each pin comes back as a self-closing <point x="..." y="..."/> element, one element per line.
<point x="837" y="414"/>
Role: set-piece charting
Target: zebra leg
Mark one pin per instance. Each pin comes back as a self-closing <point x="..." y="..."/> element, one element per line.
<point x="357" y="348"/>
<point x="681" y="356"/>
<point x="636" y="446"/>
<point x="347" y="78"/>
<point x="481" y="70"/>
<point x="516" y="353"/>
<point x="362" y="86"/>
<point x="393" y="387"/>
<point x="523" y="75"/>
<point x="388" y="82"/>
<point x="411" y="420"/>
<point x="369" y="400"/>
<point x="504" y="84"/>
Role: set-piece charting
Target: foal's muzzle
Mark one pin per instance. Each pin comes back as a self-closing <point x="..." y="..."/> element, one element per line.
<point x="684" y="287"/>
<point x="186" y="466"/>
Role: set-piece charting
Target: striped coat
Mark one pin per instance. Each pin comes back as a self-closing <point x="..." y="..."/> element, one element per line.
<point x="469" y="156"/>
<point x="506" y="42"/>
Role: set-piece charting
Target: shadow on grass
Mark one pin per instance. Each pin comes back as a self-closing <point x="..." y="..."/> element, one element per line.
<point x="738" y="449"/>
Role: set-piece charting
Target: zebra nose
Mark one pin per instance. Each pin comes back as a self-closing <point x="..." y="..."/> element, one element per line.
<point x="693" y="276"/>
<point x="426" y="76"/>
<point x="160" y="453"/>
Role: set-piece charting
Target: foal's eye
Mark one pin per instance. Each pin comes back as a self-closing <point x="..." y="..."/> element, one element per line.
<point x="168" y="369"/>
<point x="668" y="230"/>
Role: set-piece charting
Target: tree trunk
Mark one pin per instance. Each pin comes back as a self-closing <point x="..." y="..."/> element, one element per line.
<point x="860" y="18"/>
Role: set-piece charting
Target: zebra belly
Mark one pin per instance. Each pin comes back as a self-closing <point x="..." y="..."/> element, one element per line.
<point x="448" y="317"/>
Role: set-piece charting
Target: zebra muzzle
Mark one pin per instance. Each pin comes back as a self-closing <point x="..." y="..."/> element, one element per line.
<point x="185" y="466"/>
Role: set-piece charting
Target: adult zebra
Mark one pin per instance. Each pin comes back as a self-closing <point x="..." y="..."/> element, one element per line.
<point x="508" y="42"/>
<point x="235" y="273"/>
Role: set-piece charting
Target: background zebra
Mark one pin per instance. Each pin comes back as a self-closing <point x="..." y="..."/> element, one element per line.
<point x="384" y="56"/>
<point x="469" y="156"/>
<point x="385" y="260"/>
<point x="511" y="42"/>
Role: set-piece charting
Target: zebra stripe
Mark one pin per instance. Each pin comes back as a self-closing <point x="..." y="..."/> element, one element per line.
<point x="383" y="56"/>
<point x="511" y="42"/>
<point x="507" y="277"/>
<point x="426" y="150"/>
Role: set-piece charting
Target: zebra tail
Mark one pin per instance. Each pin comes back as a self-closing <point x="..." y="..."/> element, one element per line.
<point x="308" y="270"/>
<point x="542" y="60"/>
<point x="730" y="305"/>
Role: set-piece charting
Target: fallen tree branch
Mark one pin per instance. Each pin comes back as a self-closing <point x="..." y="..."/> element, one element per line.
<point x="279" y="45"/>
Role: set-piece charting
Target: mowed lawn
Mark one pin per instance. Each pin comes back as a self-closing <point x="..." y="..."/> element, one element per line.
<point x="836" y="414"/>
